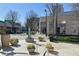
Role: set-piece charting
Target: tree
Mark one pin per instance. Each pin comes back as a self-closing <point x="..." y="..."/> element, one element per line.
<point x="55" y="10"/>
<point x="12" y="17"/>
<point x="31" y="20"/>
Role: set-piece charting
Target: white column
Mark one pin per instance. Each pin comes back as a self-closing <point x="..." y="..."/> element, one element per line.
<point x="54" y="30"/>
<point x="47" y="26"/>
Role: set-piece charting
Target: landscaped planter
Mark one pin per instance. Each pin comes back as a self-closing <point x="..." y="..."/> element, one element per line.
<point x="14" y="41"/>
<point x="29" y="39"/>
<point x="41" y="39"/>
<point x="5" y="38"/>
<point x="31" y="48"/>
<point x="50" y="49"/>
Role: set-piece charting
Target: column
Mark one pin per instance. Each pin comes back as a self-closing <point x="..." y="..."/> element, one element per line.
<point x="47" y="26"/>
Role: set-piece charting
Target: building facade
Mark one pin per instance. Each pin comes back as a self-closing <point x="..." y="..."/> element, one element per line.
<point x="67" y="24"/>
<point x="8" y="26"/>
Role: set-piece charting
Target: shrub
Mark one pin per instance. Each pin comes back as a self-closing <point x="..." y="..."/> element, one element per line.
<point x="53" y="38"/>
<point x="49" y="46"/>
<point x="65" y="39"/>
<point x="68" y="39"/>
<point x="41" y="38"/>
<point x="31" y="46"/>
<point x="14" y="41"/>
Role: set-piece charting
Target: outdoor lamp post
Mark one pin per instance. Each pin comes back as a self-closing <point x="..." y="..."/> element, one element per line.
<point x="46" y="23"/>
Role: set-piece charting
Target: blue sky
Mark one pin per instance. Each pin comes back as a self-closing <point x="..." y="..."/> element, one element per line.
<point x="22" y="9"/>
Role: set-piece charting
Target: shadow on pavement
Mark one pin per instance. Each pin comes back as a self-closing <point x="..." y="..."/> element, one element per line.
<point x="17" y="45"/>
<point x="34" y="53"/>
<point x="54" y="52"/>
<point x="8" y="49"/>
<point x="37" y="44"/>
<point x="13" y="53"/>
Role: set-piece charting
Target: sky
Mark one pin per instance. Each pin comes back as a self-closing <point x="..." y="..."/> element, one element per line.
<point x="24" y="8"/>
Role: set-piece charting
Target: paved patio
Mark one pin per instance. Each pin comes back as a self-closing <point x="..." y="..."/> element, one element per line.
<point x="65" y="49"/>
<point x="61" y="49"/>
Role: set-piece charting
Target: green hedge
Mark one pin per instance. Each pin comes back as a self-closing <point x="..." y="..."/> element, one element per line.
<point x="65" y="38"/>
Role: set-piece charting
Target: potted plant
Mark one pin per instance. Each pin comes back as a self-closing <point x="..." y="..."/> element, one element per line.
<point x="31" y="48"/>
<point x="41" y="39"/>
<point x="14" y="41"/>
<point x="49" y="47"/>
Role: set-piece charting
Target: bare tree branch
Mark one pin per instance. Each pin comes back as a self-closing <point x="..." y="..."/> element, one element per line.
<point x="31" y="19"/>
<point x="12" y="17"/>
<point x="55" y="10"/>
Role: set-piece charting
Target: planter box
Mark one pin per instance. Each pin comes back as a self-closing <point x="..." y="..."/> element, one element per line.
<point x="50" y="49"/>
<point x="42" y="40"/>
<point x="29" y="39"/>
<point x="5" y="40"/>
<point x="31" y="50"/>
